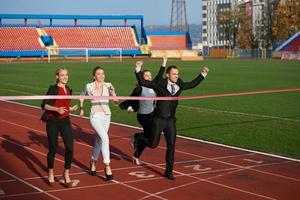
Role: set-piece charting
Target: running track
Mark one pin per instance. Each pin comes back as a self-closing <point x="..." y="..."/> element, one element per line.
<point x="202" y="170"/>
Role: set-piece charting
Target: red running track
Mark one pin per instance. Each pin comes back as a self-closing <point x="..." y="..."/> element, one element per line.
<point x="202" y="170"/>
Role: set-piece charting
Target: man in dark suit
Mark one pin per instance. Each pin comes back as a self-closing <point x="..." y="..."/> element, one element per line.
<point x="164" y="119"/>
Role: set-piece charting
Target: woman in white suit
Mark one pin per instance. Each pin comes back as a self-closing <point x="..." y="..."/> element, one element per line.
<point x="100" y="115"/>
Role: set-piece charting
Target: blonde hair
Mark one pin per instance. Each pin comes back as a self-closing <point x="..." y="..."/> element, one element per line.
<point x="58" y="70"/>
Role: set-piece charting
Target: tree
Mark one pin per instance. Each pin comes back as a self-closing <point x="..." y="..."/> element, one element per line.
<point x="286" y="20"/>
<point x="228" y="26"/>
<point x="245" y="39"/>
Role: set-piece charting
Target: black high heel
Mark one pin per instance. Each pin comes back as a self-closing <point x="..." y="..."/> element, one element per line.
<point x="93" y="172"/>
<point x="108" y="176"/>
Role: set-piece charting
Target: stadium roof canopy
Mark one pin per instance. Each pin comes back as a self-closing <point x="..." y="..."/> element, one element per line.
<point x="108" y="17"/>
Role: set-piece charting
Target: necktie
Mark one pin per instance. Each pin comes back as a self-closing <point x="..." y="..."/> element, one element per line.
<point x="172" y="89"/>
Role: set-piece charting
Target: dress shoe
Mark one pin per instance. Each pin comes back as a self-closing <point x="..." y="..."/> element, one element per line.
<point x="170" y="176"/>
<point x="136" y="161"/>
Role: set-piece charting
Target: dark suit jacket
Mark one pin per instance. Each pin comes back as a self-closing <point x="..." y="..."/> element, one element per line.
<point x="137" y="92"/>
<point x="133" y="103"/>
<point x="52" y="90"/>
<point x="165" y="108"/>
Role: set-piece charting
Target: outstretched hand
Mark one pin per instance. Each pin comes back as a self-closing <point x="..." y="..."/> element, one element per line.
<point x="138" y="65"/>
<point x="164" y="63"/>
<point x="205" y="70"/>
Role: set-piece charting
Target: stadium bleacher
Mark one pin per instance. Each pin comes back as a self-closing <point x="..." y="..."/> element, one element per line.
<point x="169" y="42"/>
<point x="91" y="40"/>
<point x="92" y="37"/>
<point x="19" y="38"/>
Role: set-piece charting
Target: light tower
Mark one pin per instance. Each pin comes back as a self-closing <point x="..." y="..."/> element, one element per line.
<point x="179" y="16"/>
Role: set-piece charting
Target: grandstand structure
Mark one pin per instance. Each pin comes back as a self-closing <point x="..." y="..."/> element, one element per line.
<point x="171" y="44"/>
<point x="290" y="49"/>
<point x="93" y="39"/>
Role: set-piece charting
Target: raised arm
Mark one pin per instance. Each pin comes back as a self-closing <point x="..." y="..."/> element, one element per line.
<point x="161" y="71"/>
<point x="196" y="81"/>
<point x="150" y="84"/>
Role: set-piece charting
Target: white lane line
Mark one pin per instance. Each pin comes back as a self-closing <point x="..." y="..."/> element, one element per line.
<point x="183" y="152"/>
<point x="180" y="136"/>
<point x="215" y="183"/>
<point x="253" y="161"/>
<point x="30" y="185"/>
<point x="137" y="189"/>
<point x="219" y="184"/>
<point x="161" y="168"/>
<point x="238" y="113"/>
<point x="8" y="181"/>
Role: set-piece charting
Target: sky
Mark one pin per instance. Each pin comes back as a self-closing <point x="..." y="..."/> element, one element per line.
<point x="155" y="12"/>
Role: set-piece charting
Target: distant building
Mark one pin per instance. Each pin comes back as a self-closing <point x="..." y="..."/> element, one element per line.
<point x="259" y="11"/>
<point x="210" y="35"/>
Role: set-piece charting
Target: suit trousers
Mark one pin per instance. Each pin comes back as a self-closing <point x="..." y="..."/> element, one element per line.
<point x="145" y="121"/>
<point x="168" y="127"/>
<point x="53" y="127"/>
<point x="100" y="123"/>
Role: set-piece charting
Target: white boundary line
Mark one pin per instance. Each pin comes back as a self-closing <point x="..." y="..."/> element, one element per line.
<point x="157" y="165"/>
<point x="115" y="181"/>
<point x="238" y="113"/>
<point x="201" y="157"/>
<point x="187" y="138"/>
<point x="30" y="185"/>
<point x="222" y="185"/>
<point x="155" y="195"/>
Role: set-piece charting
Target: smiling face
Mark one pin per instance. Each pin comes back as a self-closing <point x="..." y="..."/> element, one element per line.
<point x="62" y="76"/>
<point x="99" y="75"/>
<point x="147" y="75"/>
<point x="173" y="75"/>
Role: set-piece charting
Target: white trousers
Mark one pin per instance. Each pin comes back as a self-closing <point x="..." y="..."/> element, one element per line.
<point x="100" y="123"/>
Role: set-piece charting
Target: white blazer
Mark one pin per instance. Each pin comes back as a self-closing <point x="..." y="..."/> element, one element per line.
<point x="89" y="90"/>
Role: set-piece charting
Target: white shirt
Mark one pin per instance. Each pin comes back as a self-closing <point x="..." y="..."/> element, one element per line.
<point x="90" y="90"/>
<point x="169" y="87"/>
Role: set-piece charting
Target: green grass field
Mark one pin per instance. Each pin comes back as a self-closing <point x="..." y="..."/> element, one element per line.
<point x="264" y="122"/>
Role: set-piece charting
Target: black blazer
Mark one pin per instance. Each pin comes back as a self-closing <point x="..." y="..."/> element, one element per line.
<point x="133" y="103"/>
<point x="165" y="108"/>
<point x="137" y="92"/>
<point x="52" y="90"/>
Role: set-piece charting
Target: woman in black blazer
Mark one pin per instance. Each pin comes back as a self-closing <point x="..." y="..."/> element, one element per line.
<point x="56" y="116"/>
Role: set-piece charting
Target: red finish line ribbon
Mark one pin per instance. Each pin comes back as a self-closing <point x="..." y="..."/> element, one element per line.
<point x="39" y="97"/>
